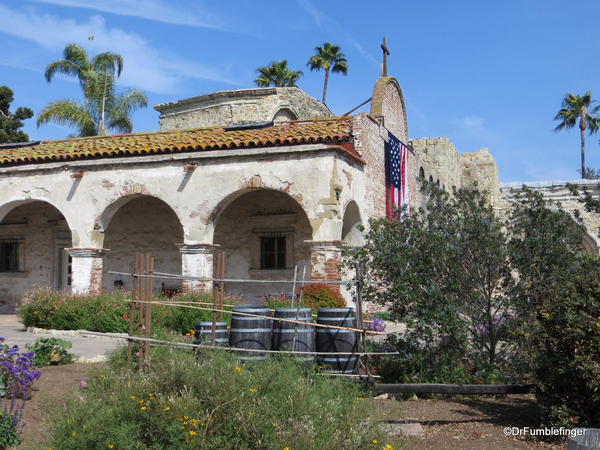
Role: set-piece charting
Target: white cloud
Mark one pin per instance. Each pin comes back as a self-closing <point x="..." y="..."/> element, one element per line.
<point x="472" y="122"/>
<point x="327" y="23"/>
<point x="146" y="67"/>
<point x="190" y="14"/>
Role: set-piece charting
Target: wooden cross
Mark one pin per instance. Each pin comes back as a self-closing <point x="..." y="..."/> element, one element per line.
<point x="386" y="52"/>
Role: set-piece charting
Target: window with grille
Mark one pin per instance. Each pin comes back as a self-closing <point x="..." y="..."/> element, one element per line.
<point x="9" y="255"/>
<point x="272" y="251"/>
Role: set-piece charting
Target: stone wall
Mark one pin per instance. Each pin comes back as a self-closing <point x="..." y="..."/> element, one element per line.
<point x="44" y="233"/>
<point x="438" y="160"/>
<point x="243" y="106"/>
<point x="557" y="191"/>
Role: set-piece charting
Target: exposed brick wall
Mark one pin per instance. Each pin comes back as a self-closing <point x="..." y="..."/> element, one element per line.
<point x="388" y="102"/>
<point x="326" y="260"/>
<point x="369" y="143"/>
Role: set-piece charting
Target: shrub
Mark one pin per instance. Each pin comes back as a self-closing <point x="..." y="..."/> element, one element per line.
<point x="318" y="296"/>
<point x="17" y="374"/>
<point x="213" y="401"/>
<point x="51" y="351"/>
<point x="106" y="312"/>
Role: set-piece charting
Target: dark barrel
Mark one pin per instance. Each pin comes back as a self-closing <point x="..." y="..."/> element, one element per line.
<point x="250" y="332"/>
<point x="203" y="333"/>
<point x="294" y="336"/>
<point x="333" y="340"/>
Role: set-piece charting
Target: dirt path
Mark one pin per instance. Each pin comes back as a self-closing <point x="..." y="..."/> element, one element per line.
<point x="467" y="424"/>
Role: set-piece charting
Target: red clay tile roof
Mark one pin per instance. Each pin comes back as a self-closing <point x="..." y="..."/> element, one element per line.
<point x="326" y="131"/>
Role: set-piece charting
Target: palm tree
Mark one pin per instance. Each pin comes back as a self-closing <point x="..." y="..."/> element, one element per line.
<point x="330" y="58"/>
<point x="102" y="108"/>
<point x="577" y="108"/>
<point x="277" y="74"/>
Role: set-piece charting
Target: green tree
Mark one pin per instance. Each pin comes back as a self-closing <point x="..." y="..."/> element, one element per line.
<point x="445" y="274"/>
<point x="102" y="109"/>
<point x="558" y="299"/>
<point x="331" y="59"/>
<point x="11" y="122"/>
<point x="277" y="74"/>
<point x="577" y="109"/>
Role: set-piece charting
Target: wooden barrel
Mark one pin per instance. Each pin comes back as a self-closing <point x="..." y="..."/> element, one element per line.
<point x="334" y="340"/>
<point x="294" y="336"/>
<point x="203" y="333"/>
<point x="250" y="332"/>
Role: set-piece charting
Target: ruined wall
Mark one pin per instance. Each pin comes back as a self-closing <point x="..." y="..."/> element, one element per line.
<point x="242" y="106"/>
<point x="41" y="228"/>
<point x="557" y="191"/>
<point x="441" y="163"/>
<point x="145" y="225"/>
<point x="480" y="168"/>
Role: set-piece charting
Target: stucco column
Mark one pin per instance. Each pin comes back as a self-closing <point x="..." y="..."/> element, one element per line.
<point x="197" y="261"/>
<point x="86" y="270"/>
<point x="325" y="260"/>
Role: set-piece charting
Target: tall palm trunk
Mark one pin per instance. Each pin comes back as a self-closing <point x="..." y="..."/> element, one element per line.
<point x="582" y="127"/>
<point x="101" y="128"/>
<point x="325" y="85"/>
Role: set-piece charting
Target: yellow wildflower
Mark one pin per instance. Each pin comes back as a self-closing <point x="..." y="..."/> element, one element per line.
<point x="360" y="398"/>
<point x="286" y="448"/>
<point x="192" y="433"/>
<point x="388" y="447"/>
<point x="168" y="408"/>
<point x="133" y="397"/>
<point x="110" y="446"/>
<point x="374" y="441"/>
<point x="239" y="369"/>
<point x="143" y="408"/>
<point x="252" y="390"/>
<point x="73" y="434"/>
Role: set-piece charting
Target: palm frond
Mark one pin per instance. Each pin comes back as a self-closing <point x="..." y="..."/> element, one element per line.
<point x="108" y="61"/>
<point x="67" y="112"/>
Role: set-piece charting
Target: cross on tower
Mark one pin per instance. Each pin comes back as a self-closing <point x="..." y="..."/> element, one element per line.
<point x="386" y="52"/>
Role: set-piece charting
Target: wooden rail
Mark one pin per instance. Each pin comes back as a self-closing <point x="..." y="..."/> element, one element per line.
<point x="464" y="389"/>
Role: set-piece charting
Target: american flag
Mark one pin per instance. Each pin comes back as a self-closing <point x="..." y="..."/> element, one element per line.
<point x="396" y="171"/>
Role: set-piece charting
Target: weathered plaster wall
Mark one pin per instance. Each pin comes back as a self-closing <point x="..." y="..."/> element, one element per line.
<point x="238" y="232"/>
<point x="318" y="179"/>
<point x="40" y="226"/>
<point x="146" y="225"/>
<point x="242" y="106"/>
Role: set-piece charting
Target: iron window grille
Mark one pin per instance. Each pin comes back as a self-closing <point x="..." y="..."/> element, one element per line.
<point x="272" y="251"/>
<point x="9" y="255"/>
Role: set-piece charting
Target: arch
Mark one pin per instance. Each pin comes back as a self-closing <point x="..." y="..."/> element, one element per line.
<point x="379" y="105"/>
<point x="263" y="233"/>
<point x="351" y="234"/>
<point x="146" y="224"/>
<point x="8" y="206"/>
<point x="34" y="238"/>
<point x="421" y="172"/>
<point x="431" y="178"/>
<point x="111" y="209"/>
<point x="251" y="187"/>
<point x="283" y="115"/>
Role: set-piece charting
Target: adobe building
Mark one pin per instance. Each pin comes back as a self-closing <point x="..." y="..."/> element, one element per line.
<point x="267" y="175"/>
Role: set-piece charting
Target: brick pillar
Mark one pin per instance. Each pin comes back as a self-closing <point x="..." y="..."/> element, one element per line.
<point x="86" y="270"/>
<point x="197" y="261"/>
<point x="325" y="260"/>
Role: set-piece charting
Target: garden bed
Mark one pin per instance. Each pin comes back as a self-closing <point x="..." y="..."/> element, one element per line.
<point x="462" y="423"/>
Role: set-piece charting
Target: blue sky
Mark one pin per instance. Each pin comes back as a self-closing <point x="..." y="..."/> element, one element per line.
<point x="484" y="73"/>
